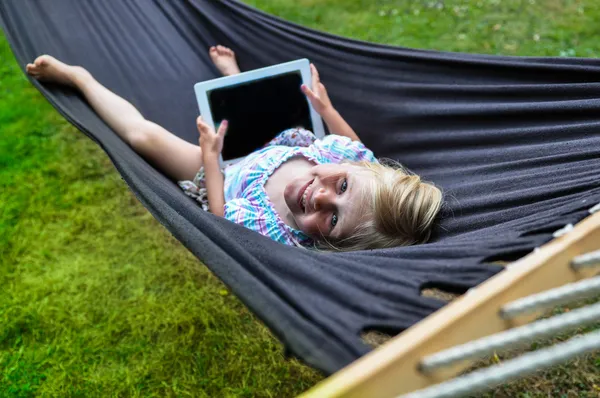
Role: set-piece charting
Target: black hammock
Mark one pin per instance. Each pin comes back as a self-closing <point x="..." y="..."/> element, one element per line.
<point x="513" y="142"/>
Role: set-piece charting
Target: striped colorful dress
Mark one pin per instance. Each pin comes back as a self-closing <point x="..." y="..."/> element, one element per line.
<point x="246" y="201"/>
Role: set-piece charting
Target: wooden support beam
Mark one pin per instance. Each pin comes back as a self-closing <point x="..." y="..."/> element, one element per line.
<point x="392" y="369"/>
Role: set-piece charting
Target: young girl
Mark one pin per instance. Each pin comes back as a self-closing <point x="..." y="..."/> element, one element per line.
<point x="330" y="193"/>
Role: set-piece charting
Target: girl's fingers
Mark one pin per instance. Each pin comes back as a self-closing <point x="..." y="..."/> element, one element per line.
<point x="315" y="71"/>
<point x="315" y="75"/>
<point x="307" y="91"/>
<point x="223" y="128"/>
<point x="201" y="125"/>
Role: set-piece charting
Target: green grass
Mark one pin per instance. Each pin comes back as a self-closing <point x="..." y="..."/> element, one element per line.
<point x="98" y="299"/>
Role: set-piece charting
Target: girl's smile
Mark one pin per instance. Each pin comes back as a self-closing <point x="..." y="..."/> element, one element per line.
<point x="326" y="200"/>
<point x="303" y="194"/>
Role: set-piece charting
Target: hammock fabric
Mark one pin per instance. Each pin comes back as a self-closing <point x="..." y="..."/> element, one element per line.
<point x="513" y="142"/>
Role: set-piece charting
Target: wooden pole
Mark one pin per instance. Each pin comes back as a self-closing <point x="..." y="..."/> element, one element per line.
<point x="393" y="368"/>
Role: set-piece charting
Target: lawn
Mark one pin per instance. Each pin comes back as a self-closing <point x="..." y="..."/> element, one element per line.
<point x="98" y="299"/>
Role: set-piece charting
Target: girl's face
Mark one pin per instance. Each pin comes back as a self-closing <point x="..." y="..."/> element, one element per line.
<point x="326" y="201"/>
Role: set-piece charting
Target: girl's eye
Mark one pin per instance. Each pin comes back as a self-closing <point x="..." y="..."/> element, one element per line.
<point x="344" y="185"/>
<point x="334" y="220"/>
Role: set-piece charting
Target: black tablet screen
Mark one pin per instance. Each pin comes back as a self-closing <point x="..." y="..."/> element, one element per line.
<point x="259" y="110"/>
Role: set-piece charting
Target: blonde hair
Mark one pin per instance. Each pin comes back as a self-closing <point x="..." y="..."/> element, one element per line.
<point x="399" y="209"/>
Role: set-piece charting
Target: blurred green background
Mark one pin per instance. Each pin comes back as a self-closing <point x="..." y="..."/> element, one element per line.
<point x="97" y="298"/>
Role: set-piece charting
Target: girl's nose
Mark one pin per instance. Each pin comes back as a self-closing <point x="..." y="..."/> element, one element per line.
<point x="323" y="199"/>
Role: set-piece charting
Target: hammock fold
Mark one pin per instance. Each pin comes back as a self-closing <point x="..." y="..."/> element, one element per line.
<point x="512" y="141"/>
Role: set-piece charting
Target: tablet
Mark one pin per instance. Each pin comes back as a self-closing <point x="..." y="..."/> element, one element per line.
<point x="258" y="105"/>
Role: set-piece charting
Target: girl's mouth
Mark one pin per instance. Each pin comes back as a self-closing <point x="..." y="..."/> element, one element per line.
<point x="301" y="199"/>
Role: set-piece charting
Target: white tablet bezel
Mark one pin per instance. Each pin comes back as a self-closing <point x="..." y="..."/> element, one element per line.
<point x="301" y="65"/>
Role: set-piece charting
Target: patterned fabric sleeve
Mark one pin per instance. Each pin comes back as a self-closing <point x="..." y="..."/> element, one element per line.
<point x="294" y="137"/>
<point x="247" y="214"/>
<point x="338" y="148"/>
<point x="242" y="211"/>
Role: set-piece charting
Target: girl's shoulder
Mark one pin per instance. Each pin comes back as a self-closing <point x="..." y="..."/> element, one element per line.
<point x="252" y="171"/>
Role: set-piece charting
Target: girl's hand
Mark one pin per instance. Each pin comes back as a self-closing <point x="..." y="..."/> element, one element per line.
<point x="318" y="95"/>
<point x="211" y="142"/>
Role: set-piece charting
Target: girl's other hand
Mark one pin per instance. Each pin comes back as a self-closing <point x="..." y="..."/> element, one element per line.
<point x="318" y="95"/>
<point x="211" y="142"/>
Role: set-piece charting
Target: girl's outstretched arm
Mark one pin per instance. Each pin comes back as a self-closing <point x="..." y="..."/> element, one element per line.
<point x="320" y="101"/>
<point x="175" y="157"/>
